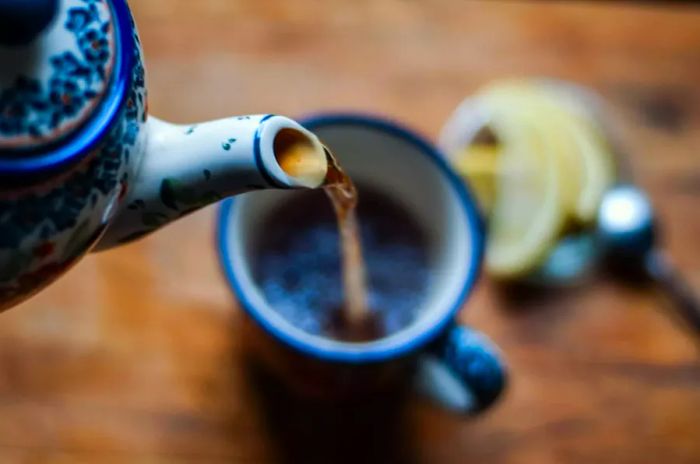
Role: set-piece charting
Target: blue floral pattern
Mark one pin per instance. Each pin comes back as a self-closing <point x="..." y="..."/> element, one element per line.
<point x="33" y="225"/>
<point x="38" y="108"/>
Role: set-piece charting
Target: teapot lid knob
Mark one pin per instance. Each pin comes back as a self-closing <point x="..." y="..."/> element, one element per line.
<point x="23" y="20"/>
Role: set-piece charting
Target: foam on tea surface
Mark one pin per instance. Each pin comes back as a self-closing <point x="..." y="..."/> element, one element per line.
<point x="298" y="265"/>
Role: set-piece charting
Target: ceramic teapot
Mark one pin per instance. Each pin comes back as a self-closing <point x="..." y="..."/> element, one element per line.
<point x="82" y="165"/>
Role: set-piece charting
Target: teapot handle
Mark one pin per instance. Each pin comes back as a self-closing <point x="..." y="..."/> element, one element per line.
<point x="21" y="21"/>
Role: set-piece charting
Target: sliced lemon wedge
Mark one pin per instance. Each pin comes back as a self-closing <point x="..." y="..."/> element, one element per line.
<point x="549" y="166"/>
<point x="529" y="208"/>
<point x="478" y="163"/>
<point x="529" y="107"/>
<point x="593" y="153"/>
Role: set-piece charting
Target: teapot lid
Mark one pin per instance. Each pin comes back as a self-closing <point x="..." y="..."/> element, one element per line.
<point x="64" y="72"/>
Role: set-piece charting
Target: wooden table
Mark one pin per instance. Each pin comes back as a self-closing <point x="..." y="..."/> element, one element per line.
<point x="135" y="355"/>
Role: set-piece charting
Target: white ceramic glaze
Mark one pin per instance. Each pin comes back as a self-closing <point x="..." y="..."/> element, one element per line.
<point x="185" y="167"/>
<point x="65" y="72"/>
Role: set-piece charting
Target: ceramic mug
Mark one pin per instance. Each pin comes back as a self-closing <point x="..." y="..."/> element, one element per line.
<point x="451" y="363"/>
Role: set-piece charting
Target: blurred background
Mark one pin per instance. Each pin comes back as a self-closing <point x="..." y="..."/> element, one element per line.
<point x="134" y="355"/>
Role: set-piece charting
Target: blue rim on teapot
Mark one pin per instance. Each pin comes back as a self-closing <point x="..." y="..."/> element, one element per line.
<point x="60" y="137"/>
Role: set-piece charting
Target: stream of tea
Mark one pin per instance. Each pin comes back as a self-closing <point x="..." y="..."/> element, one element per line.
<point x="354" y="320"/>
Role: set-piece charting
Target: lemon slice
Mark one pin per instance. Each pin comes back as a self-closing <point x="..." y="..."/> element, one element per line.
<point x="478" y="163"/>
<point x="530" y="106"/>
<point x="585" y="160"/>
<point x="597" y="169"/>
<point x="595" y="157"/>
<point x="528" y="212"/>
<point x="548" y="167"/>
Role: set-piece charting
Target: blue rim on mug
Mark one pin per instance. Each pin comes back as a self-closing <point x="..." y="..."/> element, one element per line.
<point x="88" y="137"/>
<point x="429" y="333"/>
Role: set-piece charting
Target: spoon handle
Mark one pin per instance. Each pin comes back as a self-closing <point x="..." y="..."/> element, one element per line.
<point x="675" y="286"/>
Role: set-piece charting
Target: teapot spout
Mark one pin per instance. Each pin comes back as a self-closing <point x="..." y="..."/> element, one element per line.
<point x="186" y="167"/>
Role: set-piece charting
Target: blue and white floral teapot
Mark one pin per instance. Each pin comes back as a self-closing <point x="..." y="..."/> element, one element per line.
<point x="83" y="167"/>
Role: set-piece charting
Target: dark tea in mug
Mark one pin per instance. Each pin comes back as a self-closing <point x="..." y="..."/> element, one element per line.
<point x="297" y="262"/>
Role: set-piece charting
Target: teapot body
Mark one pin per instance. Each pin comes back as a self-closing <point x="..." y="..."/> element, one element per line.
<point x="81" y="165"/>
<point x="47" y="224"/>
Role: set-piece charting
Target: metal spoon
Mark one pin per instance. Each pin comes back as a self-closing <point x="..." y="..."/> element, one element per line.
<point x="627" y="233"/>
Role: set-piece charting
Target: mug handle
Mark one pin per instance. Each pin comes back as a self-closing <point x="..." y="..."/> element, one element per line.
<point x="462" y="371"/>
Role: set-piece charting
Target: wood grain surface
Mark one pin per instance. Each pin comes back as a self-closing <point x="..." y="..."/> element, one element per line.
<point x="134" y="356"/>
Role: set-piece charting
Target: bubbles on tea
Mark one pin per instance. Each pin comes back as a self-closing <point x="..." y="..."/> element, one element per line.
<point x="298" y="264"/>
